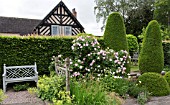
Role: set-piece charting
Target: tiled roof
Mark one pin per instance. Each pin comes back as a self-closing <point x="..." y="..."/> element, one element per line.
<point x="20" y="26"/>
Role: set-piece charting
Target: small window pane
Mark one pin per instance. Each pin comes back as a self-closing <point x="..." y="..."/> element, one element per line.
<point x="55" y="30"/>
<point x="68" y="30"/>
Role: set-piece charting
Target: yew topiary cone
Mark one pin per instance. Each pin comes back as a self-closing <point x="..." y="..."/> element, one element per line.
<point x="115" y="33"/>
<point x="151" y="58"/>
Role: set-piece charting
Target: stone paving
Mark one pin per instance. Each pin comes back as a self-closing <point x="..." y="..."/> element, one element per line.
<point x="164" y="100"/>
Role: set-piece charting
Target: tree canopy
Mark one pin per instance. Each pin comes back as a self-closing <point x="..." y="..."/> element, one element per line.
<point x="162" y="12"/>
<point x="136" y="13"/>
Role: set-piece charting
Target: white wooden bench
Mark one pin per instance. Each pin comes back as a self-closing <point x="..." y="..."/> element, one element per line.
<point x="19" y="74"/>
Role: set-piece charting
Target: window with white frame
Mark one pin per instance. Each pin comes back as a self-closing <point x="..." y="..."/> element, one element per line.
<point x="55" y="30"/>
<point x="61" y="30"/>
<point x="67" y="30"/>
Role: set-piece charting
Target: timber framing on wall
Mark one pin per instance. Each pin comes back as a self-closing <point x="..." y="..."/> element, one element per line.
<point x="61" y="16"/>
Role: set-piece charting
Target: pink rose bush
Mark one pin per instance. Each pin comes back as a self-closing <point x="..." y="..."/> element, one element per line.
<point x="91" y="58"/>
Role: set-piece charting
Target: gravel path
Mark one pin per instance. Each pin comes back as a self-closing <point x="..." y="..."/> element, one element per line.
<point x="21" y="98"/>
<point x="25" y="98"/>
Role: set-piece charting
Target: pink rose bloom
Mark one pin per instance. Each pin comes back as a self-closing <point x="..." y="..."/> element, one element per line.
<point x="119" y="63"/>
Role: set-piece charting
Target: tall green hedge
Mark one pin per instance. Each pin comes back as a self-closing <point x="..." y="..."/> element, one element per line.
<point x="27" y="50"/>
<point x="151" y="58"/>
<point x="115" y="33"/>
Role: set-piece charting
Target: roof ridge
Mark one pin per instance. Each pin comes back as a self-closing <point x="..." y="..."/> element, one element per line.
<point x="18" y="18"/>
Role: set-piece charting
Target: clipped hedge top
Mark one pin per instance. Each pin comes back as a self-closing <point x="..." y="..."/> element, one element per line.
<point x="155" y="83"/>
<point x="38" y="37"/>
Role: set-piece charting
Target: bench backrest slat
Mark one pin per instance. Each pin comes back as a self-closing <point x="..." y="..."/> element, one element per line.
<point x="20" y="71"/>
<point x="27" y="66"/>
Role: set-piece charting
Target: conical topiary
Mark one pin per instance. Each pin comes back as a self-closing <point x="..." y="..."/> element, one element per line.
<point x="115" y="34"/>
<point x="151" y="58"/>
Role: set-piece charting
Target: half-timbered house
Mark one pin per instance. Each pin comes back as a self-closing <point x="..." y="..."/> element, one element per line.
<point x="60" y="21"/>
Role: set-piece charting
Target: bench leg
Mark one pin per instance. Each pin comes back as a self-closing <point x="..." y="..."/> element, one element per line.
<point x="36" y="81"/>
<point x="4" y="86"/>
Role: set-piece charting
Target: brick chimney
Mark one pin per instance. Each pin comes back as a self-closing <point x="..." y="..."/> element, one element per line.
<point x="74" y="12"/>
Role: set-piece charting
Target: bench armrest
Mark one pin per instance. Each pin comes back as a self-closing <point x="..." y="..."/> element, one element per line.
<point x="36" y="72"/>
<point x="4" y="68"/>
<point x="3" y="75"/>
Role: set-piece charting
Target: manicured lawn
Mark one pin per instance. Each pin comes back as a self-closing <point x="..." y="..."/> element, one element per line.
<point x="134" y="68"/>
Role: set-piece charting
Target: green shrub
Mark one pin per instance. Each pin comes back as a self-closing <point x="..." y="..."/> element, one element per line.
<point x="167" y="77"/>
<point x="143" y="98"/>
<point x="151" y="57"/>
<point x="155" y="84"/>
<point x="166" y="49"/>
<point x="19" y="87"/>
<point x="115" y="34"/>
<point x="91" y="92"/>
<point x="117" y="85"/>
<point x="87" y="93"/>
<point x="53" y="89"/>
<point x="132" y="44"/>
<point x="166" y="68"/>
<point x="134" y="89"/>
<point x="2" y="96"/>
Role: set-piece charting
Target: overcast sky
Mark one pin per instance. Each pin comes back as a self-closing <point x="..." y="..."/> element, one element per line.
<point x="38" y="9"/>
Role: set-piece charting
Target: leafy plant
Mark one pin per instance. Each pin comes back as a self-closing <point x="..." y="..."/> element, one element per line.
<point x="91" y="93"/>
<point x="19" y="87"/>
<point x="167" y="77"/>
<point x="117" y="85"/>
<point x="53" y="89"/>
<point x="2" y="95"/>
<point x="32" y="90"/>
<point x="135" y="89"/>
<point x="166" y="68"/>
<point x="151" y="57"/>
<point x="87" y="93"/>
<point x="143" y="97"/>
